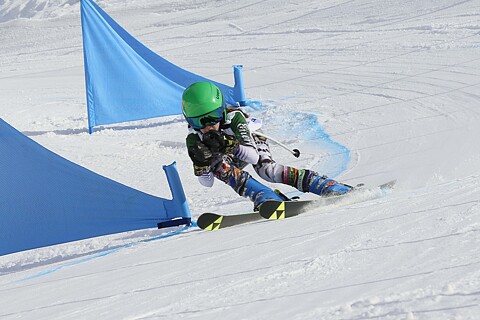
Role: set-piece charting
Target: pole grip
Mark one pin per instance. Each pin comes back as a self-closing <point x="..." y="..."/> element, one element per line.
<point x="295" y="152"/>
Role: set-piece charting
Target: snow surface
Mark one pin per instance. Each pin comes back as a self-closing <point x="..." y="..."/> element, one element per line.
<point x="395" y="87"/>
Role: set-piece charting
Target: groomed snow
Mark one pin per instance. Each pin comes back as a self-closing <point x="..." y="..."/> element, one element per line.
<point x="369" y="91"/>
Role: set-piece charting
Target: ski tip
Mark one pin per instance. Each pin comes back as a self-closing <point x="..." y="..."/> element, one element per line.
<point x="388" y="185"/>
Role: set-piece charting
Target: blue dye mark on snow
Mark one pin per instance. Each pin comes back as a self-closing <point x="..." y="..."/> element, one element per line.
<point x="287" y="125"/>
<point x="336" y="155"/>
<point x="107" y="252"/>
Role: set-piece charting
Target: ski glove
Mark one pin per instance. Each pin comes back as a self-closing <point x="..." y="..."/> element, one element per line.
<point x="219" y="142"/>
<point x="200" y="154"/>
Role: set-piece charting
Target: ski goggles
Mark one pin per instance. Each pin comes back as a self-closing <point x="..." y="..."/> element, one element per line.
<point x="208" y="119"/>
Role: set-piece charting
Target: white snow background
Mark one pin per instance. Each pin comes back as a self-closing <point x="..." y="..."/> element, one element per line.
<point x="395" y="87"/>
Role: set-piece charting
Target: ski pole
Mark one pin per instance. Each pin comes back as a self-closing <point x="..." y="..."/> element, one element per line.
<point x="295" y="152"/>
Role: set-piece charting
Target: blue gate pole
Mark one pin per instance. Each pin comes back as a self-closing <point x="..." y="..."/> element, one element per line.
<point x="179" y="200"/>
<point x="238" y="89"/>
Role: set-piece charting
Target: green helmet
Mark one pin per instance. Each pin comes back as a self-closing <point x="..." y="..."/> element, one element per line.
<point x="203" y="105"/>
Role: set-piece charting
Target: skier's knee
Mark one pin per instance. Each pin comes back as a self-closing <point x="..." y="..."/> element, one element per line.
<point x="268" y="170"/>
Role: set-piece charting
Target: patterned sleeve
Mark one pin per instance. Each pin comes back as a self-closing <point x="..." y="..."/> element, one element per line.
<point x="247" y="150"/>
<point x="240" y="128"/>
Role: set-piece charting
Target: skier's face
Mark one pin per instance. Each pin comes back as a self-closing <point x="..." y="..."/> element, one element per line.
<point x="215" y="127"/>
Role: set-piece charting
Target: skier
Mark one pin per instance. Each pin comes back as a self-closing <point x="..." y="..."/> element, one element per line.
<point x="220" y="145"/>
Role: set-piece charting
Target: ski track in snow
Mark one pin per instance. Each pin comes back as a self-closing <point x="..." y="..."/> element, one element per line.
<point x="369" y="91"/>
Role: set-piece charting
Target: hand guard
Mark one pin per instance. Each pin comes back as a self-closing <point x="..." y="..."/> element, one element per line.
<point x="200" y="170"/>
<point x="219" y="142"/>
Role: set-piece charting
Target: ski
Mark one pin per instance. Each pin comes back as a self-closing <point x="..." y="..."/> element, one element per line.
<point x="279" y="210"/>
<point x="274" y="210"/>
<point x="213" y="221"/>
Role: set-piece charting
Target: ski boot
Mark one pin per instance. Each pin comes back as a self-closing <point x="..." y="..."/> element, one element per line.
<point x="310" y="181"/>
<point x="247" y="186"/>
<point x="325" y="187"/>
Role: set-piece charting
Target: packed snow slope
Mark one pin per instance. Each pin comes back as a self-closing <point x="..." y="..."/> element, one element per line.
<point x="394" y="85"/>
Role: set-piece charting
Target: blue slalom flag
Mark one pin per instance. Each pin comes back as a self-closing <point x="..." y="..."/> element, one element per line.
<point x="126" y="81"/>
<point x="46" y="199"/>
